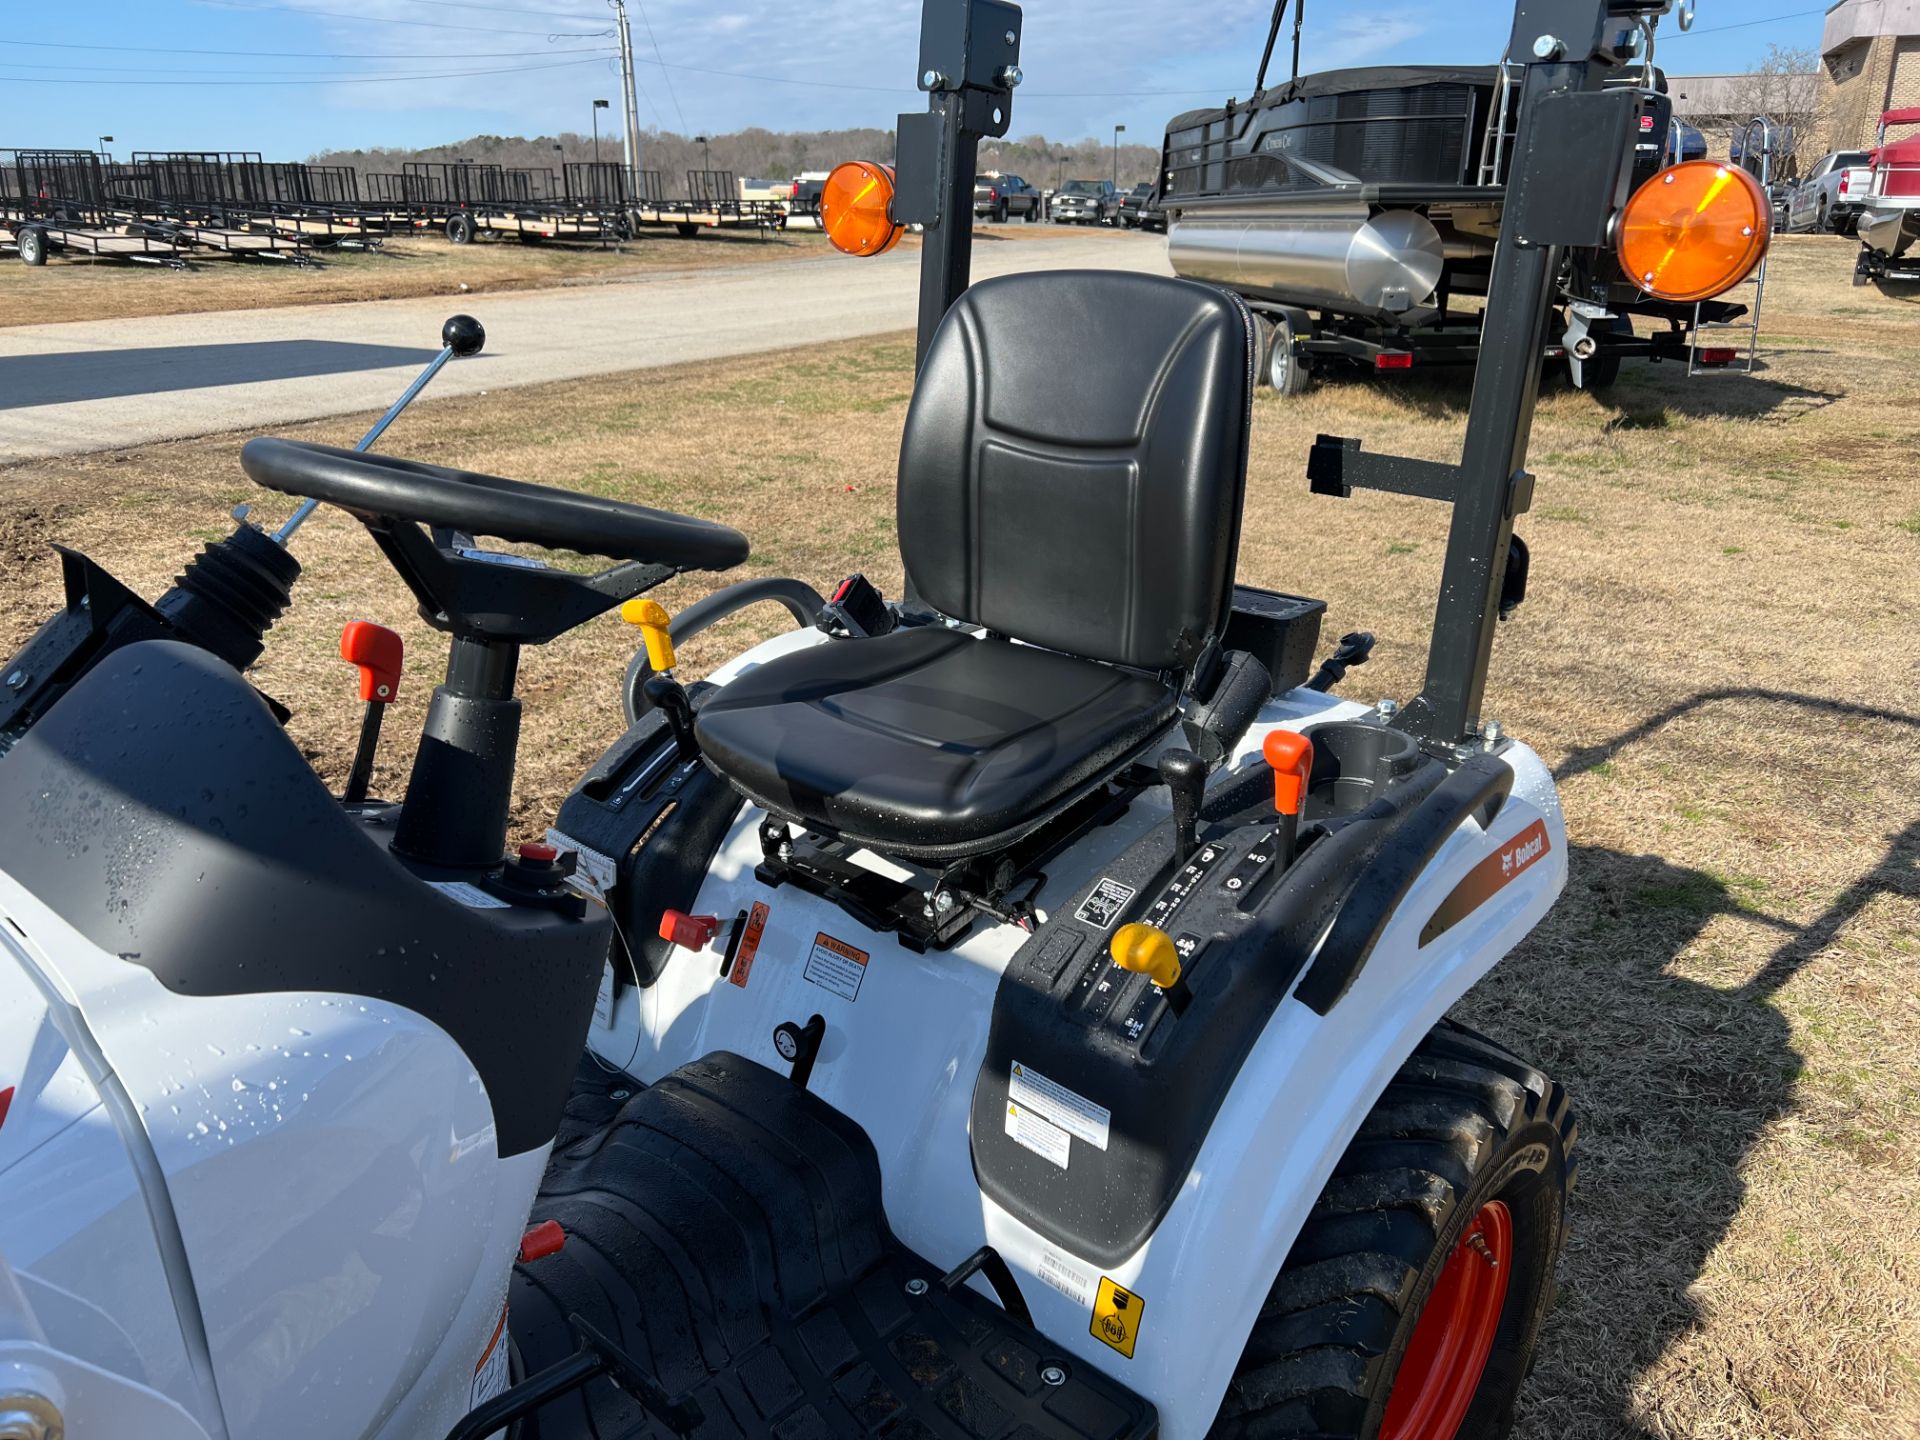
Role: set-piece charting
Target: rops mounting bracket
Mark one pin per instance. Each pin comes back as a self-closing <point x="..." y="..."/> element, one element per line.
<point x="969" y="67"/>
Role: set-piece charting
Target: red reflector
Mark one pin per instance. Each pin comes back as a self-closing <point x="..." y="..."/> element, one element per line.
<point x="1718" y="356"/>
<point x="544" y="1239"/>
<point x="1394" y="360"/>
<point x="539" y="852"/>
<point x="689" y="932"/>
<point x="6" y="1102"/>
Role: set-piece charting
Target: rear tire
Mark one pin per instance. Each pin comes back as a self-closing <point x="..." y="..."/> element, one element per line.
<point x="32" y="244"/>
<point x="1465" y="1140"/>
<point x="1282" y="368"/>
<point x="460" y="229"/>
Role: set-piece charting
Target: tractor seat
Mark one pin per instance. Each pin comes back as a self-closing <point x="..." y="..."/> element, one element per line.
<point x="1070" y="486"/>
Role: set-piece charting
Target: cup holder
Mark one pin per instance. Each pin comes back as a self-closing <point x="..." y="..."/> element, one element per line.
<point x="1353" y="764"/>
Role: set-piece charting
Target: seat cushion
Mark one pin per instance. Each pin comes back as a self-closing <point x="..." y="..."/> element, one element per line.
<point x="928" y="741"/>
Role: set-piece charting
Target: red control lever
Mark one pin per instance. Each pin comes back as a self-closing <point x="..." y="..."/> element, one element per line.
<point x="1291" y="757"/>
<point x="378" y="652"/>
<point x="689" y="932"/>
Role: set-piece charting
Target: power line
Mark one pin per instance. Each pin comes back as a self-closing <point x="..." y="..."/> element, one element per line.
<point x="315" y="80"/>
<point x="295" y="54"/>
<point x="386" y="20"/>
<point x="1739" y="25"/>
<point x="671" y="94"/>
<point x="250" y="70"/>
<point x="508" y="9"/>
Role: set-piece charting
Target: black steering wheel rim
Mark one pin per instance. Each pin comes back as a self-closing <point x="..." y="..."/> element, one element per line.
<point x="384" y="486"/>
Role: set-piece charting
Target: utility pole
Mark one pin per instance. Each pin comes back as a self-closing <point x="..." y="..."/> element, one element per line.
<point x="630" y="96"/>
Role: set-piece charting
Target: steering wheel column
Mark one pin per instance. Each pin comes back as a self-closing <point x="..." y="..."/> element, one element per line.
<point x="490" y="603"/>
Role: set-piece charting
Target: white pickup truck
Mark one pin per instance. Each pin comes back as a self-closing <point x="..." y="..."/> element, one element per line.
<point x="1831" y="197"/>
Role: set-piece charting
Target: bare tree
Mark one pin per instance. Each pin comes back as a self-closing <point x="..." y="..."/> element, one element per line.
<point x="1785" y="87"/>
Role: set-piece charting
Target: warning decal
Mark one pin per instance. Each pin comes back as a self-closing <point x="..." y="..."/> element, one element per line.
<point x="1040" y="1135"/>
<point x="1487" y="879"/>
<point x="603" y="1002"/>
<point x="1117" y="1313"/>
<point x="1059" y="1106"/>
<point x="835" y="965"/>
<point x="750" y="946"/>
<point x="471" y="896"/>
<point x="1103" y="906"/>
<point x="1068" y="1278"/>
<point x="594" y="874"/>
<point x="494" y="1372"/>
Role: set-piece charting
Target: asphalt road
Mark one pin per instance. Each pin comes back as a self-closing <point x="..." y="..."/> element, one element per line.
<point x="102" y="385"/>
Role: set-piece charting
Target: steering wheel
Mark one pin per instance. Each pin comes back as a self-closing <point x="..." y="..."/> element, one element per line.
<point x="381" y="487"/>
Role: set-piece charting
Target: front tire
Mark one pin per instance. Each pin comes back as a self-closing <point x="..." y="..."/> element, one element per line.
<point x="1392" y="1318"/>
<point x="32" y="245"/>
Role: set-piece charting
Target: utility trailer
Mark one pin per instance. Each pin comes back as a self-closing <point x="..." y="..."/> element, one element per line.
<point x="1353" y="211"/>
<point x="712" y="203"/>
<point x="57" y="202"/>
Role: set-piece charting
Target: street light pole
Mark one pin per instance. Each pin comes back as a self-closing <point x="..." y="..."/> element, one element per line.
<point x="706" y="152"/>
<point x="598" y="106"/>
<point x="105" y="140"/>
<point x="1118" y="131"/>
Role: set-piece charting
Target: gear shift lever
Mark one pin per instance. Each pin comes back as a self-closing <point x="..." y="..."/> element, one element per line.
<point x="1185" y="776"/>
<point x="460" y="337"/>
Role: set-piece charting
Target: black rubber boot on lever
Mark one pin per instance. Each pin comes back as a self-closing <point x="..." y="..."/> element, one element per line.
<point x="669" y="697"/>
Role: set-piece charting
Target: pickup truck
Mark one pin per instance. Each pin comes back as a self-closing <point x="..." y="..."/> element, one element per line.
<point x="1086" y="202"/>
<point x="1831" y="196"/>
<point x="1000" y="197"/>
<point x="1140" y="209"/>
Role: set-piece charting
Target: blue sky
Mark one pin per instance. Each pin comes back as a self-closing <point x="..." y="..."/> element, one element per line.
<point x="343" y="73"/>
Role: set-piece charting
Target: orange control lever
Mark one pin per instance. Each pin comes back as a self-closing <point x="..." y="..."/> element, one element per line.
<point x="1291" y="757"/>
<point x="377" y="651"/>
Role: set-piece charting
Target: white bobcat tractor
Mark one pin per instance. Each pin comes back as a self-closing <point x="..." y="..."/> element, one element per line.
<point x="1010" y="1012"/>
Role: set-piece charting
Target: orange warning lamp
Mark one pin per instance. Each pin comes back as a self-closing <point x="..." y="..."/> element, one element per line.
<point x="1694" y="231"/>
<point x="1147" y="950"/>
<point x="1291" y="757"/>
<point x="856" y="209"/>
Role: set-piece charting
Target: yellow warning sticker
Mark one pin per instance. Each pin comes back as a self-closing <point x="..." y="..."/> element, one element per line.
<point x="1117" y="1313"/>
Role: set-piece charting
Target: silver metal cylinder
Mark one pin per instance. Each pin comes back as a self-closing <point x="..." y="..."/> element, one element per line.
<point x="1340" y="259"/>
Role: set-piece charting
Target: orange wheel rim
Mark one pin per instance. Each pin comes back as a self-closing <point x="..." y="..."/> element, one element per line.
<point x="1453" y="1338"/>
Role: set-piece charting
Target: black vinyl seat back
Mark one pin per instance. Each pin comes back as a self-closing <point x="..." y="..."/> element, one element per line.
<point x="1075" y="460"/>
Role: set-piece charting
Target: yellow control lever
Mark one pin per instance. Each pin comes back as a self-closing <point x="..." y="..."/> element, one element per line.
<point x="1147" y="950"/>
<point x="652" y="618"/>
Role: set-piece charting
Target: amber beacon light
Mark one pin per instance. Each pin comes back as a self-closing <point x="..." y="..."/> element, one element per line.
<point x="856" y="209"/>
<point x="1694" y="231"/>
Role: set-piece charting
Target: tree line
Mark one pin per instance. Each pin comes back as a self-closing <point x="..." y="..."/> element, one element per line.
<point x="759" y="154"/>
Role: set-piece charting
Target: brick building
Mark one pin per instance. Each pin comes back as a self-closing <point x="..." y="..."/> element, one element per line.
<point x="1870" y="54"/>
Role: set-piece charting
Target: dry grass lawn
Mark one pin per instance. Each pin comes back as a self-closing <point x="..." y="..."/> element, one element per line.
<point x="1719" y="657"/>
<point x="82" y="288"/>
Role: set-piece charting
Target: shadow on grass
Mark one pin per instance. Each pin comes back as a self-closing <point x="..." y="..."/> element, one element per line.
<point x="1648" y="396"/>
<point x="1675" y="1082"/>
